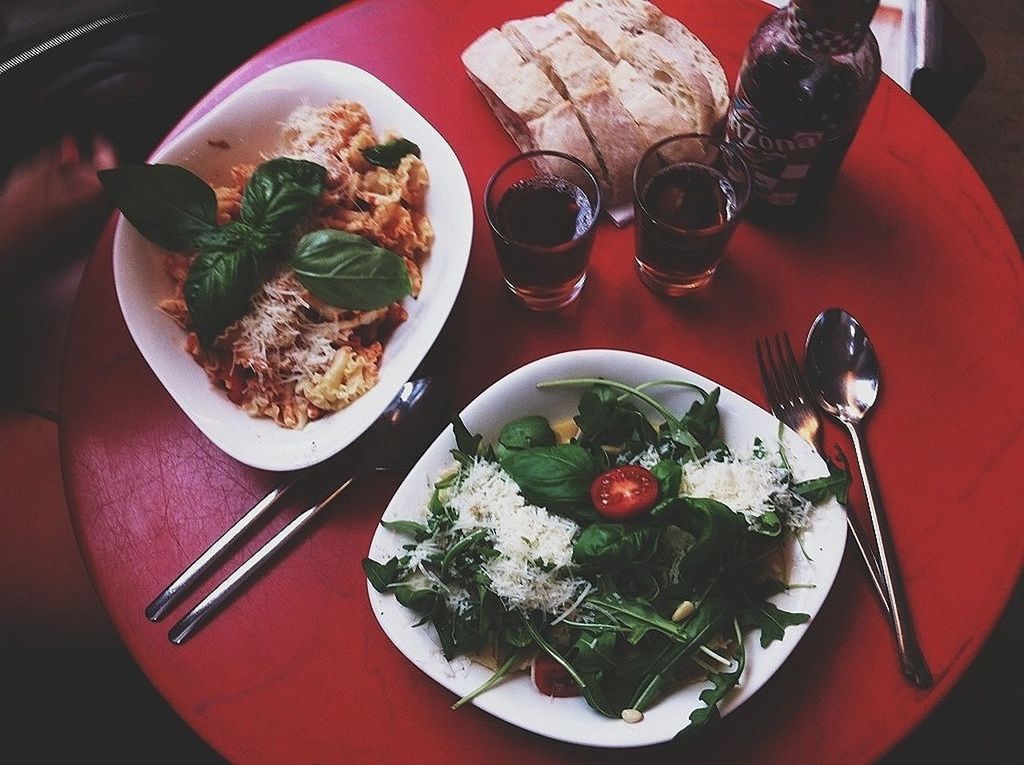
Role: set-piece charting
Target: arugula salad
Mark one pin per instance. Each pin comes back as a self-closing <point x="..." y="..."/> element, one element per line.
<point x="617" y="555"/>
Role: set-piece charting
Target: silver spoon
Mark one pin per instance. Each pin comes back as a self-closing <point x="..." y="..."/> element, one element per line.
<point x="843" y="373"/>
<point x="395" y="440"/>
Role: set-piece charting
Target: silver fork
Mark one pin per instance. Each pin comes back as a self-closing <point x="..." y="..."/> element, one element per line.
<point x="791" y="402"/>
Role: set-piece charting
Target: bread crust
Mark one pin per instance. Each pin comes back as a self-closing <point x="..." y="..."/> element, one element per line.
<point x="601" y="80"/>
<point x="515" y="89"/>
<point x="560" y="130"/>
<point x="675" y="76"/>
<point x="654" y="114"/>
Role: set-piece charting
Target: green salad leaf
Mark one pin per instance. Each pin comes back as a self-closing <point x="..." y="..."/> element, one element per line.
<point x="382" y="575"/>
<point x="721" y="684"/>
<point x="614" y="545"/>
<point x="635" y="604"/>
<point x="552" y="476"/>
<point x="526" y="432"/>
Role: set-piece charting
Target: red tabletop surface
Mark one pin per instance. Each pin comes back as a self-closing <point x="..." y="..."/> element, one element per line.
<point x="297" y="668"/>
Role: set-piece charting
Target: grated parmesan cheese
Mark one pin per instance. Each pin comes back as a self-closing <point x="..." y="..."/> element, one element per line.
<point x="748" y="485"/>
<point x="278" y="338"/>
<point x="534" y="547"/>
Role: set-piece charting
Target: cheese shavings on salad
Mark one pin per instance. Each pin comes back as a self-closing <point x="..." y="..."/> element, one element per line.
<point x="617" y="564"/>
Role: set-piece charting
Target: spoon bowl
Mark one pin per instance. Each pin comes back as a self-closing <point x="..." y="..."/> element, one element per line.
<point x="843" y="375"/>
<point x="842" y="367"/>
<point x="404" y="430"/>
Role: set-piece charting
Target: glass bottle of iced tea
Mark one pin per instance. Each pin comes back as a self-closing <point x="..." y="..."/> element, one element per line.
<point x="804" y="84"/>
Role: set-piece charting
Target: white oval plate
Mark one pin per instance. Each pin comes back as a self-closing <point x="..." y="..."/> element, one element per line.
<point x="250" y="120"/>
<point x="516" y="700"/>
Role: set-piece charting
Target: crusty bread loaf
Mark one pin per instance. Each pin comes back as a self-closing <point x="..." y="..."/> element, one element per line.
<point x="532" y="112"/>
<point x="606" y="25"/>
<point x="572" y="66"/>
<point x="674" y="75"/>
<point x="617" y="140"/>
<point x="532" y="36"/>
<point x="601" y="80"/>
<point x="582" y="76"/>
<point x="652" y="112"/>
<point x="516" y="90"/>
<point x="694" y="48"/>
<point x="560" y="130"/>
<point x="615" y="28"/>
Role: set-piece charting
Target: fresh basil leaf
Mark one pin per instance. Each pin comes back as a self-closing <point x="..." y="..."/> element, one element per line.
<point x="389" y="154"/>
<point x="349" y="271"/>
<point x="380" y="575"/>
<point x="670" y="475"/>
<point x="234" y="236"/>
<point x="527" y="432"/>
<point x="417" y="531"/>
<point x="166" y="204"/>
<point x="280" y="193"/>
<point x="613" y="545"/>
<point x="552" y="475"/>
<point x="218" y="290"/>
<point x="420" y="601"/>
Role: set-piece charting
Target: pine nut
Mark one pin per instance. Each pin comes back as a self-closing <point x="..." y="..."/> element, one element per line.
<point x="684" y="610"/>
<point x="632" y="715"/>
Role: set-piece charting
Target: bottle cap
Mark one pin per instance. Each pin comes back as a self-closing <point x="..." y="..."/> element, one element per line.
<point x="830" y="26"/>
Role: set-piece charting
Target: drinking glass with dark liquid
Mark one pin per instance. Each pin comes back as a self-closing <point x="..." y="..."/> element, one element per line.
<point x="688" y="193"/>
<point x="542" y="207"/>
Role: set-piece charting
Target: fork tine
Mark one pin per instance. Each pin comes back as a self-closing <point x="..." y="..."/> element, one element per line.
<point x="801" y="380"/>
<point x="787" y="373"/>
<point x="769" y="378"/>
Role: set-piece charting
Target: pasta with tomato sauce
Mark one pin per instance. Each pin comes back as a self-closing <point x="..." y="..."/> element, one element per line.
<point x="293" y="357"/>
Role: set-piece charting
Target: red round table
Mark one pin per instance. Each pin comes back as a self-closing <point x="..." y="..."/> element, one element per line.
<point x="297" y="669"/>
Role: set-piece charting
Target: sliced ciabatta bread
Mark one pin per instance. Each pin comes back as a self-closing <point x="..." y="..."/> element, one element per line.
<point x="582" y="76"/>
<point x="675" y="76"/>
<point x="560" y="130"/>
<point x="653" y="113"/>
<point x="606" y="26"/>
<point x="618" y="142"/>
<point x="694" y="49"/>
<point x="516" y="90"/>
<point x="573" y="67"/>
<point x="532" y="36"/>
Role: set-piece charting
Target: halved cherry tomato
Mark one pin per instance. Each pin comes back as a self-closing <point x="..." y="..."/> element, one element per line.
<point x="624" y="492"/>
<point x="551" y="678"/>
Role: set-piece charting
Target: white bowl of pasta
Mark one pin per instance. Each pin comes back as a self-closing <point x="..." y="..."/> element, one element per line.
<point x="285" y="406"/>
